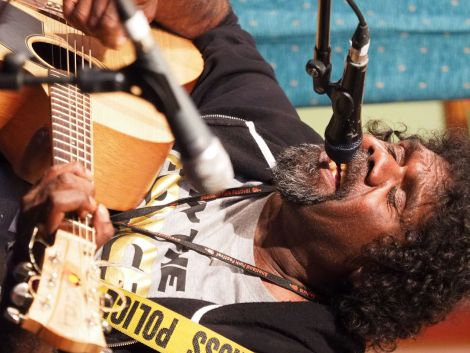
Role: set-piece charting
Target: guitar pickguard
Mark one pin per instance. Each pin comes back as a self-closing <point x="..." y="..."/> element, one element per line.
<point x="15" y="27"/>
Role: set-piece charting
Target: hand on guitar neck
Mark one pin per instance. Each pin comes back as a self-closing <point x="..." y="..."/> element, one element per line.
<point x="64" y="189"/>
<point x="64" y="192"/>
<point x="188" y="18"/>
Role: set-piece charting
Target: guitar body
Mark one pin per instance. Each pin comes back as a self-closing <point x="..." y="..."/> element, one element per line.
<point x="130" y="138"/>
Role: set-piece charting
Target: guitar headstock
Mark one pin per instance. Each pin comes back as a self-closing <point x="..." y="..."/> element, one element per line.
<point x="66" y="304"/>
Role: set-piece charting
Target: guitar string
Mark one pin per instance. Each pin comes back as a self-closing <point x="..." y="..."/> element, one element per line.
<point x="68" y="98"/>
<point x="88" y="158"/>
<point x="64" y="107"/>
<point x="72" y="103"/>
<point x="82" y="233"/>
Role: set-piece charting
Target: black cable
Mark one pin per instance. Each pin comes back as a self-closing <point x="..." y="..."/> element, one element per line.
<point x="358" y="12"/>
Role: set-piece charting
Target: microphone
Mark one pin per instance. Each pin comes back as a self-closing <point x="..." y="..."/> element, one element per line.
<point x="207" y="164"/>
<point x="343" y="135"/>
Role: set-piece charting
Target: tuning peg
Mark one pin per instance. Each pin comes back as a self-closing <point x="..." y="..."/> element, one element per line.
<point x="13" y="315"/>
<point x="107" y="328"/>
<point x="108" y="300"/>
<point x="21" y="296"/>
<point x="23" y="271"/>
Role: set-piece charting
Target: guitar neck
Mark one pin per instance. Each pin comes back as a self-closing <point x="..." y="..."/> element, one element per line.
<point x="72" y="138"/>
<point x="71" y="125"/>
<point x="66" y="310"/>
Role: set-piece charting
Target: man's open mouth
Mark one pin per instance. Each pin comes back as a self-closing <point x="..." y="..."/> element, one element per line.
<point x="338" y="171"/>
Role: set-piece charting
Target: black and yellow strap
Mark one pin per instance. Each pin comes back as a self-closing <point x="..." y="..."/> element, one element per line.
<point x="165" y="330"/>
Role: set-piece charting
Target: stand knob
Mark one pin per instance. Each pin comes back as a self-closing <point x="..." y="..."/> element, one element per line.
<point x="13" y="315"/>
<point x="23" y="272"/>
<point x="21" y="296"/>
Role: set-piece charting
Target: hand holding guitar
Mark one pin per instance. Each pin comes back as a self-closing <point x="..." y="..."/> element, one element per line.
<point x="65" y="310"/>
<point x="188" y="18"/>
<point x="65" y="188"/>
<point x="100" y="18"/>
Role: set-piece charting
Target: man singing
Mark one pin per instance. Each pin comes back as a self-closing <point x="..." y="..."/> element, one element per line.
<point x="377" y="250"/>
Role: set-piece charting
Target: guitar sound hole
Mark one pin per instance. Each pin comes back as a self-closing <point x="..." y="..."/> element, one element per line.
<point x="60" y="58"/>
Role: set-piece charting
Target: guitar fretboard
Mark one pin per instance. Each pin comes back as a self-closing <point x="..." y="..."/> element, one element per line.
<point x="71" y="125"/>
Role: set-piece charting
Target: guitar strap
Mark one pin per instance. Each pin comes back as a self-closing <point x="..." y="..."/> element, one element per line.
<point x="165" y="330"/>
<point x="246" y="191"/>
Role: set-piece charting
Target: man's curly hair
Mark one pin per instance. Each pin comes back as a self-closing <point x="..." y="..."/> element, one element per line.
<point x="403" y="287"/>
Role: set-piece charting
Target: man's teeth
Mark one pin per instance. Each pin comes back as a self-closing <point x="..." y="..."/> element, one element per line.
<point x="344" y="168"/>
<point x="333" y="168"/>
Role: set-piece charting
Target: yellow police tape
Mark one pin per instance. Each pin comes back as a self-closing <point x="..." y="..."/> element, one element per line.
<point x="165" y="330"/>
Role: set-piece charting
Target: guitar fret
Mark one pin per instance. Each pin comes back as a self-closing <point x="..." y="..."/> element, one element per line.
<point x="69" y="156"/>
<point x="59" y="87"/>
<point x="72" y="117"/>
<point x="72" y="95"/>
<point x="65" y="119"/>
<point x="70" y="89"/>
<point x="64" y="102"/>
<point x="84" y="149"/>
<point x="60" y="160"/>
<point x="79" y="131"/>
<point x="83" y="226"/>
<point x="63" y="152"/>
<point x="85" y="141"/>
<point x="72" y="154"/>
<point x="70" y="107"/>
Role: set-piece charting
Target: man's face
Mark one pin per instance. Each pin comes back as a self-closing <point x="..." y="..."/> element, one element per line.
<point x="386" y="188"/>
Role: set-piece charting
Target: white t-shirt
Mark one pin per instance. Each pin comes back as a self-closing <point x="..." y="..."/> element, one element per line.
<point x="154" y="268"/>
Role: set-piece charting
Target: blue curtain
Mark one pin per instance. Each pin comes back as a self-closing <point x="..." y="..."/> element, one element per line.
<point x="420" y="49"/>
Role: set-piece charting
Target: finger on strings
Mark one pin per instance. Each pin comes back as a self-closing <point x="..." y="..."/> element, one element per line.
<point x="78" y="15"/>
<point x="74" y="167"/>
<point x="98" y="10"/>
<point x="60" y="178"/>
<point x="64" y="202"/>
<point x="103" y="226"/>
<point x="68" y="6"/>
<point x="113" y="33"/>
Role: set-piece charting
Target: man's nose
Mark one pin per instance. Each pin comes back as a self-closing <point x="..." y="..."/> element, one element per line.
<point x="382" y="165"/>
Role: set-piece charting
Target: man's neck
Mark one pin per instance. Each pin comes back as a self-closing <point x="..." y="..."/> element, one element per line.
<point x="275" y="250"/>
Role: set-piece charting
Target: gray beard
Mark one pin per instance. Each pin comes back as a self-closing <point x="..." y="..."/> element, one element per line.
<point x="297" y="175"/>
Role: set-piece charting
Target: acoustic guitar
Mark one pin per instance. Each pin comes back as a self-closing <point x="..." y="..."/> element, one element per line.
<point x="128" y="137"/>
<point x="119" y="137"/>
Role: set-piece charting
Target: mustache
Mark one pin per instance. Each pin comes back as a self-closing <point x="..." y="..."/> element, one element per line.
<point x="297" y="175"/>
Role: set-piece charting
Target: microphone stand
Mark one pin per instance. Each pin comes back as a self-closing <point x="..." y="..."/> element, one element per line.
<point x="12" y="76"/>
<point x="343" y="135"/>
<point x="320" y="67"/>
